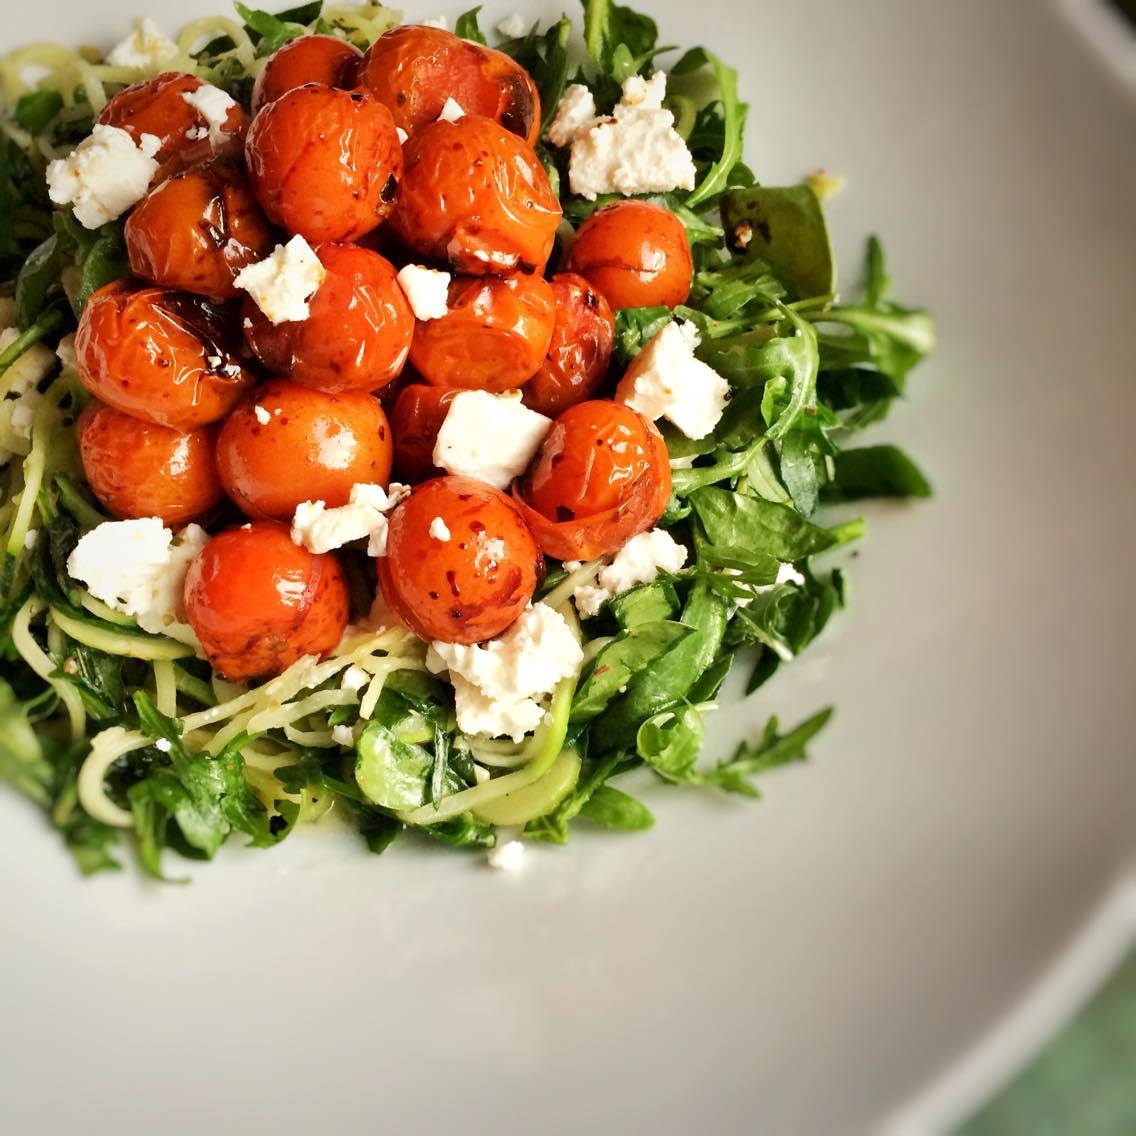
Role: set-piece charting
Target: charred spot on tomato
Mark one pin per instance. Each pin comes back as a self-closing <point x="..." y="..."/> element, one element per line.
<point x="389" y="190"/>
<point x="563" y="513"/>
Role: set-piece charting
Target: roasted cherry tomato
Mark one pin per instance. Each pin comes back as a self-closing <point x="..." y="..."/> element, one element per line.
<point x="471" y="586"/>
<point x="325" y="163"/>
<point x="197" y="230"/>
<point x="601" y="476"/>
<point x="258" y="601"/>
<point x="166" y="357"/>
<point x="637" y="254"/>
<point x="417" y="417"/>
<point x="309" y="59"/>
<point x="476" y="196"/>
<point x="414" y="69"/>
<point x="494" y="336"/>
<point x="287" y="443"/>
<point x="159" y="107"/>
<point x="358" y="334"/>
<point x="580" y="351"/>
<point x="138" y="469"/>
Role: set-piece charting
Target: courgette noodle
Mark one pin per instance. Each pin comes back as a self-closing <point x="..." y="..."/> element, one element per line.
<point x="137" y="734"/>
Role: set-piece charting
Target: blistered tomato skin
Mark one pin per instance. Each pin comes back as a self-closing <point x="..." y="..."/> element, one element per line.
<point x="494" y="336"/>
<point x="286" y="444"/>
<point x="414" y="69"/>
<point x="636" y="253"/>
<point x="165" y="357"/>
<point x="472" y="586"/>
<point x="476" y="197"/>
<point x="417" y="417"/>
<point x="137" y="469"/>
<point x="197" y="230"/>
<point x="601" y="476"/>
<point x="258" y="602"/>
<point x="309" y="59"/>
<point x="357" y="337"/>
<point x="325" y="163"/>
<point x="580" y="350"/>
<point x="157" y="106"/>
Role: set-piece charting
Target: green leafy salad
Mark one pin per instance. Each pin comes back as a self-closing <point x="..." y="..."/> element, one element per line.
<point x="134" y="746"/>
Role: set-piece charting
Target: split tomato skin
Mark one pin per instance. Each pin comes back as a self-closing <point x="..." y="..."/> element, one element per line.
<point x="476" y="197"/>
<point x="357" y="337"/>
<point x="636" y="253"/>
<point x="322" y="59"/>
<point x="158" y="106"/>
<point x="286" y="444"/>
<point x="325" y="163"/>
<point x="494" y="337"/>
<point x="601" y="476"/>
<point x="137" y="469"/>
<point x="580" y="349"/>
<point x="474" y="585"/>
<point x="414" y="69"/>
<point x="415" y="420"/>
<point x="258" y="602"/>
<point x="197" y="229"/>
<point x="165" y="357"/>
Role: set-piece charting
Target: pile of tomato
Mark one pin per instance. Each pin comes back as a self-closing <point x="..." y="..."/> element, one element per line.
<point x="198" y="397"/>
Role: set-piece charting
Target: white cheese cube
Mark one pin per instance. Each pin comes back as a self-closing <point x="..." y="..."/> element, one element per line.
<point x="498" y="686"/>
<point x="513" y="26"/>
<point x="636" y="150"/>
<point x="214" y="106"/>
<point x="427" y="290"/>
<point x="451" y="111"/>
<point x="639" y="561"/>
<point x="138" y="567"/>
<point x="490" y="437"/>
<point x="665" y="380"/>
<point x="320" y="529"/>
<point x="284" y="282"/>
<point x="146" y="48"/>
<point x="104" y="176"/>
<point x="439" y="530"/>
<point x="576" y="109"/>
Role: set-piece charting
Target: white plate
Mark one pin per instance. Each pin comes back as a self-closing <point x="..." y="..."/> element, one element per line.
<point x="806" y="964"/>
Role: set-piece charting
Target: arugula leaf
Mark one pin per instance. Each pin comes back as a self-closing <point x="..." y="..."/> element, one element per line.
<point x="617" y="663"/>
<point x="648" y="603"/>
<point x="608" y="26"/>
<point x="545" y="57"/>
<point x="467" y="27"/>
<point x="876" y="471"/>
<point x="772" y="751"/>
<point x="733" y="117"/>
<point x="634" y="328"/>
<point x="270" y="32"/>
<point x="36" y="109"/>
<point x="670" y="742"/>
<point x="612" y="808"/>
<point x="670" y="676"/>
<point x="785" y="227"/>
<point x="38" y="277"/>
<point x="740" y="521"/>
<point x="22" y="762"/>
<point x="391" y="772"/>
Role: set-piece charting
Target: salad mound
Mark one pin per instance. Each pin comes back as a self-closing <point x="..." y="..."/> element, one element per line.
<point x="409" y="427"/>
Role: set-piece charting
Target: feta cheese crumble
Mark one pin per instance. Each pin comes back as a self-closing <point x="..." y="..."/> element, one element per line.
<point x="354" y="679"/>
<point x="427" y="290"/>
<point x="576" y="109"/>
<point x="497" y="687"/>
<point x="665" y="380"/>
<point x="490" y="437"/>
<point x="284" y="282"/>
<point x="403" y="137"/>
<point x="507" y="855"/>
<point x="639" y="561"/>
<point x="636" y="150"/>
<point x="320" y="529"/>
<point x="214" y="106"/>
<point x="435" y="22"/>
<point x="147" y="47"/>
<point x="439" y="530"/>
<point x="451" y="111"/>
<point x="163" y="745"/>
<point x="343" y="735"/>
<point x="104" y="176"/>
<point x="262" y="415"/>
<point x="138" y="567"/>
<point x="513" y="26"/>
